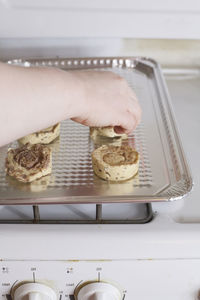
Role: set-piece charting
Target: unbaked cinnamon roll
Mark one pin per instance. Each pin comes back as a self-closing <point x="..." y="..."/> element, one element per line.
<point x="115" y="163"/>
<point x="29" y="162"/>
<point x="106" y="132"/>
<point x="45" y="136"/>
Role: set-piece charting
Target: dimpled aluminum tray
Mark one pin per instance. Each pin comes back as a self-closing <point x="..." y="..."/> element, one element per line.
<point x="163" y="172"/>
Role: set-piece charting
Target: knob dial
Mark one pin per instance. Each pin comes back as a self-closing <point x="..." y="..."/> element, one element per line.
<point x="34" y="291"/>
<point x="98" y="291"/>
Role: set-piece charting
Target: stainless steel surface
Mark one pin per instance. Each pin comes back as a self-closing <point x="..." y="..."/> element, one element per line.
<point x="163" y="172"/>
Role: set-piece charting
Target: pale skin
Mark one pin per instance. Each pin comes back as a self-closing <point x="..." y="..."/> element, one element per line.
<point x="32" y="99"/>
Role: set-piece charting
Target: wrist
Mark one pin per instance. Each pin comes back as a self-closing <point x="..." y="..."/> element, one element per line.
<point x="74" y="93"/>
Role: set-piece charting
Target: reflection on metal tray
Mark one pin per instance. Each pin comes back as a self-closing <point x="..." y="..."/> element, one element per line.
<point x="163" y="171"/>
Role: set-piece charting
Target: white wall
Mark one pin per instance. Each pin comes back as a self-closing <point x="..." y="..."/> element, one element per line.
<point x="100" y="18"/>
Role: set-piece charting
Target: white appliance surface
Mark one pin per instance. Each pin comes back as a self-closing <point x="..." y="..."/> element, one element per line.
<point x="100" y="18"/>
<point x="157" y="260"/>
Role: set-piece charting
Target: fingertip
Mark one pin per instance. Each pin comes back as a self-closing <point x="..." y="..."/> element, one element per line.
<point x="128" y="125"/>
<point x="119" y="130"/>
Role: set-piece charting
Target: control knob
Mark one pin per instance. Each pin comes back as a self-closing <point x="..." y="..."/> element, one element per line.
<point x="98" y="291"/>
<point x="34" y="291"/>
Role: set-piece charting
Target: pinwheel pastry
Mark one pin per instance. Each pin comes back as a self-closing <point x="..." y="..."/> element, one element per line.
<point x="105" y="132"/>
<point x="35" y="186"/>
<point x="29" y="162"/>
<point x="115" y="163"/>
<point x="45" y="136"/>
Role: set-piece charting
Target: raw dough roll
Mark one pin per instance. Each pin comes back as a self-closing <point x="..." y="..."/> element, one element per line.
<point x="35" y="186"/>
<point x="45" y="136"/>
<point x="29" y="162"/>
<point x="115" y="163"/>
<point x="105" y="131"/>
<point x="101" y="140"/>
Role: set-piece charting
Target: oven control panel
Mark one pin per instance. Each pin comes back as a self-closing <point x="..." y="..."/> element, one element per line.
<point x="111" y="279"/>
<point x="96" y="290"/>
<point x="60" y="280"/>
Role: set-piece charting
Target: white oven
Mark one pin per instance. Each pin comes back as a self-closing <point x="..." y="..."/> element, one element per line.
<point x="73" y="251"/>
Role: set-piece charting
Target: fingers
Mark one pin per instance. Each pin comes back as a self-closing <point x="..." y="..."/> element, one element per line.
<point x="123" y="122"/>
<point x="82" y="121"/>
<point x="127" y="123"/>
<point x="108" y="101"/>
<point x="119" y="129"/>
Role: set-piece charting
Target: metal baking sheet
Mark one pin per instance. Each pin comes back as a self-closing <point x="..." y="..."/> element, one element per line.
<point x="163" y="172"/>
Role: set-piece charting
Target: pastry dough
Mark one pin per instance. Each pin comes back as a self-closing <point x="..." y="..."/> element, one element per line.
<point x="106" y="132"/>
<point x="101" y="140"/>
<point x="45" y="136"/>
<point x="115" y="163"/>
<point x="29" y="162"/>
<point x="35" y="186"/>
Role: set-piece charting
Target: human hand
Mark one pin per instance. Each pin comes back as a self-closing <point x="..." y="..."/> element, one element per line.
<point x="107" y="101"/>
<point x="93" y="98"/>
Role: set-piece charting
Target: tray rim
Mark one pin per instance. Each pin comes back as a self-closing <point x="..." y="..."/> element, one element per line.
<point x="73" y="199"/>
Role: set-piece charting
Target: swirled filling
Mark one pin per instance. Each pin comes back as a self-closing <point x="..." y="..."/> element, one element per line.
<point x="31" y="156"/>
<point x="116" y="156"/>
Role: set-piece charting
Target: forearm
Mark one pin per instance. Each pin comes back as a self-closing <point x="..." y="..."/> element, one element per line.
<point x="32" y="99"/>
